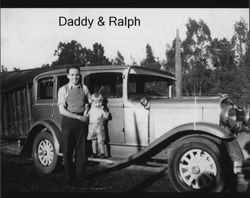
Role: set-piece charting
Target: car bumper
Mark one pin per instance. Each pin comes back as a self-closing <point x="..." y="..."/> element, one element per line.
<point x="242" y="167"/>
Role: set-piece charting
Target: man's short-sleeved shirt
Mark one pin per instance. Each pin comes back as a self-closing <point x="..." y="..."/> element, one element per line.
<point x="73" y="97"/>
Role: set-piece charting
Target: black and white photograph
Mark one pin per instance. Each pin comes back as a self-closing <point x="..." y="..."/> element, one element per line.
<point x="139" y="100"/>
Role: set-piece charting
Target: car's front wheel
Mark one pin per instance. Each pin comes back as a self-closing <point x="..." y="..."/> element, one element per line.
<point x="195" y="165"/>
<point x="44" y="154"/>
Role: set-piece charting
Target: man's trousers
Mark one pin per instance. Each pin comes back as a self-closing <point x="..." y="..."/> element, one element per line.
<point x="74" y="139"/>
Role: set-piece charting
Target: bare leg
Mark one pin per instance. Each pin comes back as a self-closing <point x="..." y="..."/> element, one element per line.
<point x="94" y="146"/>
<point x="101" y="147"/>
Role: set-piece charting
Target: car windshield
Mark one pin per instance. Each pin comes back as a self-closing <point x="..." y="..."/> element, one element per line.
<point x="148" y="85"/>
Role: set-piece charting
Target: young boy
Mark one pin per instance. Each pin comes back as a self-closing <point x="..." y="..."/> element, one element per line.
<point x="97" y="115"/>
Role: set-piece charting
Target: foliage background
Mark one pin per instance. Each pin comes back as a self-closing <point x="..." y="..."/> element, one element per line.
<point x="210" y="66"/>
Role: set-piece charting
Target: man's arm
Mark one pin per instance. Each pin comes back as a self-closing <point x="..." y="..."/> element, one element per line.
<point x="65" y="112"/>
<point x="87" y="92"/>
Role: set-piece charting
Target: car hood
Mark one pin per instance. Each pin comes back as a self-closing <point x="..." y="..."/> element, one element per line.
<point x="182" y="102"/>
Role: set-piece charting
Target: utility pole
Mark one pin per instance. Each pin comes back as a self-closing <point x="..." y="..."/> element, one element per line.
<point x="178" y="66"/>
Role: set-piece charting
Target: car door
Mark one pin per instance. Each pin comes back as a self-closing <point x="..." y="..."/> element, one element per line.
<point x="44" y="100"/>
<point x="109" y="84"/>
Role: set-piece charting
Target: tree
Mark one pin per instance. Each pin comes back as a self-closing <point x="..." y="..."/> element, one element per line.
<point x="134" y="63"/>
<point x="245" y="71"/>
<point x="169" y="65"/>
<point x="197" y="58"/>
<point x="247" y="54"/>
<point x="150" y="61"/>
<point x="197" y="45"/>
<point x="98" y="57"/>
<point x="223" y="54"/>
<point x="239" y="40"/>
<point x="68" y="53"/>
<point x="119" y="60"/>
<point x="230" y="76"/>
<point x="74" y="53"/>
<point x="45" y="65"/>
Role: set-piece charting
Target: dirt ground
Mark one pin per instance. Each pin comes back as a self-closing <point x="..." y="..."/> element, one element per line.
<point x="21" y="176"/>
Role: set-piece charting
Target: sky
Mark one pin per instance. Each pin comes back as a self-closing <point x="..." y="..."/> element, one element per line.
<point x="29" y="36"/>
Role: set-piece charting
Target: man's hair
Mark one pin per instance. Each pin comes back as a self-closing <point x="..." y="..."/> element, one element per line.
<point x="72" y="67"/>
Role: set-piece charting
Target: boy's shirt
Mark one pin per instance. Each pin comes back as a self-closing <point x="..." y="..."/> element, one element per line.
<point x="97" y="115"/>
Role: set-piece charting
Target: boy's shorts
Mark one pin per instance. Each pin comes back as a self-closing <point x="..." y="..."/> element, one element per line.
<point x="96" y="131"/>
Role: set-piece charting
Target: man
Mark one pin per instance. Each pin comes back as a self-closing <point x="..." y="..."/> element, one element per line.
<point x="72" y="98"/>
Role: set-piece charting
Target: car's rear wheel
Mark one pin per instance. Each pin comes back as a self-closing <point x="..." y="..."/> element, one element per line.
<point x="44" y="155"/>
<point x="195" y="164"/>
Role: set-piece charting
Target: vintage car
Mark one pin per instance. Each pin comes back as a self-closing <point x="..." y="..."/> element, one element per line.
<point x="196" y="136"/>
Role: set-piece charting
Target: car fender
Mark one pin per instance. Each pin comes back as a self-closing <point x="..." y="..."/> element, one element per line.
<point x="209" y="129"/>
<point x="36" y="128"/>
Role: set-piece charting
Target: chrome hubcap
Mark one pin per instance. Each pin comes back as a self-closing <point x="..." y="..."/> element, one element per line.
<point x="197" y="169"/>
<point x="45" y="152"/>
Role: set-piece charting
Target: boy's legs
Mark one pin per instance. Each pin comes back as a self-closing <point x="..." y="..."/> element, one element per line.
<point x="94" y="146"/>
<point x="92" y="137"/>
<point x="101" y="147"/>
<point x="101" y="141"/>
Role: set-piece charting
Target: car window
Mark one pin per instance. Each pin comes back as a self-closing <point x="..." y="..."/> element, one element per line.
<point x="62" y="80"/>
<point x="148" y="84"/>
<point x="45" y="88"/>
<point x="108" y="84"/>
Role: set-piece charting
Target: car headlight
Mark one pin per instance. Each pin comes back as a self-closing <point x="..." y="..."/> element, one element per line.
<point x="144" y="101"/>
<point x="246" y="117"/>
<point x="228" y="116"/>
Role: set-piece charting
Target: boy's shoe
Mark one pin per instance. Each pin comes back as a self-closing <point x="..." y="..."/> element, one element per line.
<point x="94" y="155"/>
<point x="102" y="156"/>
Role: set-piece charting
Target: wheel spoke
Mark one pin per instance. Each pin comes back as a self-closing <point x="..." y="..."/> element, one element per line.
<point x="197" y="168"/>
<point x="191" y="179"/>
<point x="43" y="160"/>
<point x="46" y="161"/>
<point x="192" y="156"/>
<point x="184" y="166"/>
<point x="187" y="173"/>
<point x="45" y="152"/>
<point x="199" y="156"/>
<point x="51" y="159"/>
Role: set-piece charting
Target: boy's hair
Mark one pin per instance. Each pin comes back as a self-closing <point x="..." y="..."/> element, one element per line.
<point x="72" y="67"/>
<point x="97" y="97"/>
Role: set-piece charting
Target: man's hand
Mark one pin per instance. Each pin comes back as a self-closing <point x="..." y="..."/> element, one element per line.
<point x="84" y="118"/>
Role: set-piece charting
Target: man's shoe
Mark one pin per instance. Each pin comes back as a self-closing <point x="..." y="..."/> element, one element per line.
<point x="102" y="156"/>
<point x="94" y="155"/>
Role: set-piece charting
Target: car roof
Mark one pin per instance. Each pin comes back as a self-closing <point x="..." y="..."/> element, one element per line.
<point x="16" y="79"/>
<point x="105" y="67"/>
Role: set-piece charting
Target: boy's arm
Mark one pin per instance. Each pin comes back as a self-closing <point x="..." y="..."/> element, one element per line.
<point x="105" y="113"/>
